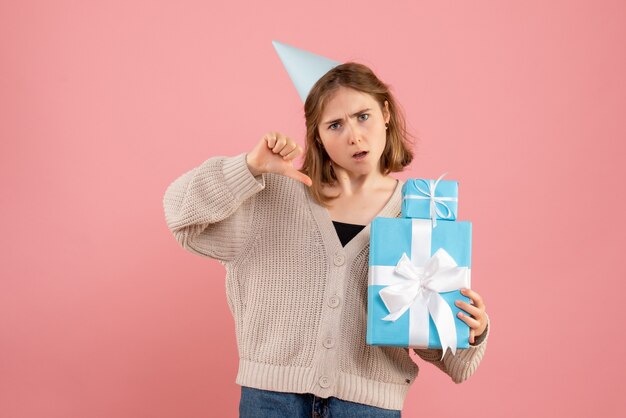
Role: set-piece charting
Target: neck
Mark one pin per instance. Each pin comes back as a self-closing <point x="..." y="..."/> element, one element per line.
<point x="353" y="183"/>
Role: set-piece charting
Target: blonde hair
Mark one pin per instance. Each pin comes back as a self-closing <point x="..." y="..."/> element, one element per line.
<point x="317" y="164"/>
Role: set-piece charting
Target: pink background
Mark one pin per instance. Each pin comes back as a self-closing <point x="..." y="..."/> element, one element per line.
<point x="103" y="104"/>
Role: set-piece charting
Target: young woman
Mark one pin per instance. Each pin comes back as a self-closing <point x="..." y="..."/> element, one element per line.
<point x="295" y="244"/>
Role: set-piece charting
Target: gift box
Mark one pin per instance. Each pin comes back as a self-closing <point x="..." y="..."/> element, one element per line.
<point x="416" y="271"/>
<point x="430" y="199"/>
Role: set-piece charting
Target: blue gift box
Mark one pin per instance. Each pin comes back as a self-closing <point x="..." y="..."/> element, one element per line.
<point x="390" y="238"/>
<point x="416" y="198"/>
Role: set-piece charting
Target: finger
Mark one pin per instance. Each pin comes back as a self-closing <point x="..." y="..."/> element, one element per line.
<point x="474" y="296"/>
<point x="472" y="335"/>
<point x="471" y="322"/>
<point x="293" y="154"/>
<point x="288" y="148"/>
<point x="301" y="177"/>
<point x="280" y="143"/>
<point x="271" y="139"/>
<point x="475" y="311"/>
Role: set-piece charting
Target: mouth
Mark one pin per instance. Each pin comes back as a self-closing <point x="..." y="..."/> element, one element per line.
<point x="360" y="155"/>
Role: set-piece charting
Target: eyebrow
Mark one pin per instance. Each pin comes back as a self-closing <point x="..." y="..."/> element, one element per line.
<point x="330" y="122"/>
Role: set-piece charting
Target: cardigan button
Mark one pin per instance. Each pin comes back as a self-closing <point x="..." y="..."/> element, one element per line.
<point x="329" y="342"/>
<point x="324" y="382"/>
<point x="339" y="259"/>
<point x="334" y="301"/>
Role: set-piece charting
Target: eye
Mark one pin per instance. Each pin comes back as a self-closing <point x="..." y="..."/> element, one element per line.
<point x="364" y="116"/>
<point x="333" y="126"/>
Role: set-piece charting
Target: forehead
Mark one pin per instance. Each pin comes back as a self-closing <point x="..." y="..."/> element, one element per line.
<point x="345" y="100"/>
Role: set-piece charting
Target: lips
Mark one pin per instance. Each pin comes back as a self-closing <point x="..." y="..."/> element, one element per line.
<point x="359" y="154"/>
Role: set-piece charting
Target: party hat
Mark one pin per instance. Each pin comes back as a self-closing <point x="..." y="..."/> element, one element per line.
<point x="304" y="68"/>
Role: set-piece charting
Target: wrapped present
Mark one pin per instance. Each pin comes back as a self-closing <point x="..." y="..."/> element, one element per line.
<point x="430" y="199"/>
<point x="416" y="272"/>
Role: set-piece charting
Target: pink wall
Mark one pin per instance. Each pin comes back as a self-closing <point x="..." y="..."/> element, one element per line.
<point x="103" y="104"/>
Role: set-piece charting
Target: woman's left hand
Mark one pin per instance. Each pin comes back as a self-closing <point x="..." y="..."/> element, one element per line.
<point x="477" y="318"/>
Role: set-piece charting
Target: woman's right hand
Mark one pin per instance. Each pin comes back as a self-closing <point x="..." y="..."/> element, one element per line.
<point x="274" y="154"/>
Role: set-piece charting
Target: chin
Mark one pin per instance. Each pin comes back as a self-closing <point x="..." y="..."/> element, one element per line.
<point x="359" y="168"/>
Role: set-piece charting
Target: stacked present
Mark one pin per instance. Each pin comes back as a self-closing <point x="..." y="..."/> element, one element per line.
<point x="417" y="266"/>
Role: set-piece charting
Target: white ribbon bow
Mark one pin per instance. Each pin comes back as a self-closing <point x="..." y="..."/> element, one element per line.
<point x="430" y="194"/>
<point x="422" y="287"/>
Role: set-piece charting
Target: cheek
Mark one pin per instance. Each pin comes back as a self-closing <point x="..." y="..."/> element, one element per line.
<point x="381" y="145"/>
<point x="332" y="150"/>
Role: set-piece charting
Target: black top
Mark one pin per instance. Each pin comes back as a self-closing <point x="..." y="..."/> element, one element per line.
<point x="346" y="231"/>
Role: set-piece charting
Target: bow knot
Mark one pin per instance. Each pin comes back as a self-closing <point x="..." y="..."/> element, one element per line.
<point x="429" y="194"/>
<point x="422" y="285"/>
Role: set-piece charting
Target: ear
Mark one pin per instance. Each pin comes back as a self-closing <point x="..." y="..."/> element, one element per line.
<point x="386" y="113"/>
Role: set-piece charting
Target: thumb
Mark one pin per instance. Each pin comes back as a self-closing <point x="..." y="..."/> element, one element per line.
<point x="296" y="175"/>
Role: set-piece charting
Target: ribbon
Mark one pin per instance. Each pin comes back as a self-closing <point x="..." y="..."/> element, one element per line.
<point x="414" y="284"/>
<point x="434" y="200"/>
<point x="422" y="286"/>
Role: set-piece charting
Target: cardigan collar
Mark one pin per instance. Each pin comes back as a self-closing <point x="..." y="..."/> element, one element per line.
<point x="325" y="225"/>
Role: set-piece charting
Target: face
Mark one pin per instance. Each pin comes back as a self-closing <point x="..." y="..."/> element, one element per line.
<point x="353" y="122"/>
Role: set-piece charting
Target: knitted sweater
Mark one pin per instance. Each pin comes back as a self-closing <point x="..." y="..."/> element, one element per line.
<point x="298" y="297"/>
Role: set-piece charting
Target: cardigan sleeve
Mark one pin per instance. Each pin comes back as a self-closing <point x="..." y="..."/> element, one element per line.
<point x="461" y="365"/>
<point x="209" y="209"/>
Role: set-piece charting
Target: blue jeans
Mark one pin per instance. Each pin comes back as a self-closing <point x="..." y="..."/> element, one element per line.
<point x="257" y="403"/>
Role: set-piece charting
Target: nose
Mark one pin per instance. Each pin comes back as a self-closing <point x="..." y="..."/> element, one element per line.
<point x="354" y="134"/>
